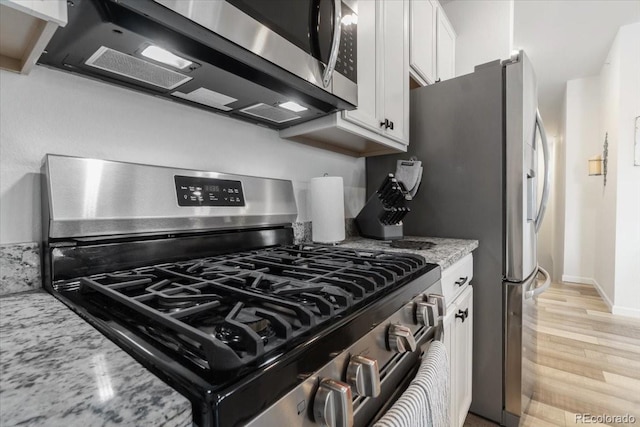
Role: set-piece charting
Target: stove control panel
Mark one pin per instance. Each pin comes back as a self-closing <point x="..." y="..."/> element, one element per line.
<point x="370" y="371"/>
<point x="197" y="191"/>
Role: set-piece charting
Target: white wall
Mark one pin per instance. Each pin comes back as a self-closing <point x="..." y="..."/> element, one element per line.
<point x="484" y="31"/>
<point x="559" y="196"/>
<point x="605" y="204"/>
<point x="627" y="260"/>
<point x="582" y="141"/>
<point x="50" y="111"/>
<point x="602" y="223"/>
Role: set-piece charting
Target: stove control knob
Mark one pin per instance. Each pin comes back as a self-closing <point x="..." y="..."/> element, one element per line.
<point x="427" y="314"/>
<point x="363" y="376"/>
<point x="438" y="300"/>
<point x="400" y="339"/>
<point x="332" y="405"/>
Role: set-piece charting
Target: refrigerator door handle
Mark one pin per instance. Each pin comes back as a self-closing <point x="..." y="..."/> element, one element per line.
<point x="547" y="171"/>
<point x="534" y="292"/>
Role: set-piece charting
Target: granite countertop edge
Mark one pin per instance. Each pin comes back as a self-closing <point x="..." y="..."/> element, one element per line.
<point x="67" y="373"/>
<point x="445" y="252"/>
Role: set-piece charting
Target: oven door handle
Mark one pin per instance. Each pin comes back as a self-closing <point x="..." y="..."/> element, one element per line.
<point x="335" y="43"/>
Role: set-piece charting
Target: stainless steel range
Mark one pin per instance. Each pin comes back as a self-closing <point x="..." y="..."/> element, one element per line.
<point x="195" y="274"/>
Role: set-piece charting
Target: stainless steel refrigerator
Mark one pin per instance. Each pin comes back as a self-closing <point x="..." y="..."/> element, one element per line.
<point x="478" y="136"/>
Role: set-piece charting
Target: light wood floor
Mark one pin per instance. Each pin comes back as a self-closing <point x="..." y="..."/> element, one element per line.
<point x="587" y="360"/>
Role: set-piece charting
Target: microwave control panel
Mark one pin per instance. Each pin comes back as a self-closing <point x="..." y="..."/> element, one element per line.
<point x="348" y="52"/>
<point x="196" y="191"/>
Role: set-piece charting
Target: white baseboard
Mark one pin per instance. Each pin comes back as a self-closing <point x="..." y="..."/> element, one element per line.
<point x="604" y="296"/>
<point x="626" y="311"/>
<point x="594" y="282"/>
<point x="578" y="279"/>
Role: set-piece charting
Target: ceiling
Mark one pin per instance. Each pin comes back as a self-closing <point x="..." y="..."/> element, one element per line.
<point x="567" y="39"/>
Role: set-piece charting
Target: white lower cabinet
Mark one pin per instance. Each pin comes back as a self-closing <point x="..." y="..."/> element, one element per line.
<point x="458" y="337"/>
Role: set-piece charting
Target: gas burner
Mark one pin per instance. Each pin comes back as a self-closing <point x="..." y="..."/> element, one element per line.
<point x="234" y="336"/>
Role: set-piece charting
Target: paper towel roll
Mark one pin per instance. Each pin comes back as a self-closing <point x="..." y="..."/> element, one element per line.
<point x="327" y="209"/>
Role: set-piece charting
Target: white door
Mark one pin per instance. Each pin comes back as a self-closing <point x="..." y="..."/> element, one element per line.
<point x="463" y="354"/>
<point x="422" y="40"/>
<point x="446" y="48"/>
<point x="395" y="69"/>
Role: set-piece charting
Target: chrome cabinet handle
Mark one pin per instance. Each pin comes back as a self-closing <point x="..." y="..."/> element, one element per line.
<point x="335" y="43"/>
<point x="547" y="172"/>
<point x="462" y="281"/>
<point x="332" y="405"/>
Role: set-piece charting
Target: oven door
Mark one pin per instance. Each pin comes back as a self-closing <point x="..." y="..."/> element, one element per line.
<point x="314" y="39"/>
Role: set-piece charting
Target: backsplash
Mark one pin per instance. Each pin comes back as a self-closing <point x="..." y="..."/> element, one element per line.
<point x="302" y="230"/>
<point x="19" y="268"/>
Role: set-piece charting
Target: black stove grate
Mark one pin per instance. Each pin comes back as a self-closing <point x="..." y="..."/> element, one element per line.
<point x="228" y="310"/>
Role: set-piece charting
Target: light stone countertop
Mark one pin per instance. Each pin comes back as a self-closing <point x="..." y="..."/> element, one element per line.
<point x="445" y="252"/>
<point x="57" y="370"/>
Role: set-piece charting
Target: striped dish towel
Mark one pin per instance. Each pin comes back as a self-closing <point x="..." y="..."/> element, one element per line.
<point x="433" y="377"/>
<point x="410" y="410"/>
<point x="425" y="403"/>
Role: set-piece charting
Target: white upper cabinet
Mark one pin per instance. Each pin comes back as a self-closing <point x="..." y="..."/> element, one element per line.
<point x="26" y="26"/>
<point x="394" y="70"/>
<point x="423" y="40"/>
<point x="380" y="124"/>
<point x="432" y="41"/>
<point x="446" y="48"/>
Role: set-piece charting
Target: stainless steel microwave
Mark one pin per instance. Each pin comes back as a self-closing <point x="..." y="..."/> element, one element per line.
<point x="314" y="39"/>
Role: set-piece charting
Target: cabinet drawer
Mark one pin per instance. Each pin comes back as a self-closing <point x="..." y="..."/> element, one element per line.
<point x="456" y="278"/>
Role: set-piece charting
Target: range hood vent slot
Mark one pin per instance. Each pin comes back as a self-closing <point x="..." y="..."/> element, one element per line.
<point x="268" y="112"/>
<point x="135" y="68"/>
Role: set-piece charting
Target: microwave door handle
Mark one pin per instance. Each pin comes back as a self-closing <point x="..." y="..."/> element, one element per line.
<point x="547" y="172"/>
<point x="335" y="43"/>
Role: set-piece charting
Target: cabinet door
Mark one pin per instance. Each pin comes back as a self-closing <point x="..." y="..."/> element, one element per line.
<point x="422" y="39"/>
<point x="366" y="115"/>
<point x="445" y="48"/>
<point x="463" y="347"/>
<point x="394" y="66"/>
<point x="449" y="343"/>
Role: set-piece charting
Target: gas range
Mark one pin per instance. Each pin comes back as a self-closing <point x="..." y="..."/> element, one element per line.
<point x="213" y="297"/>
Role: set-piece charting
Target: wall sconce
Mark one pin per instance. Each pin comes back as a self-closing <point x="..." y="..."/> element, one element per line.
<point x="598" y="164"/>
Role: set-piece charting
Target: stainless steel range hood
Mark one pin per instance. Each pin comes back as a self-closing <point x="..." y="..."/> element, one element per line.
<point x="145" y="46"/>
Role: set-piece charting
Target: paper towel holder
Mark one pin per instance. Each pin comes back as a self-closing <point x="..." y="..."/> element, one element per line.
<point x="331" y="222"/>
